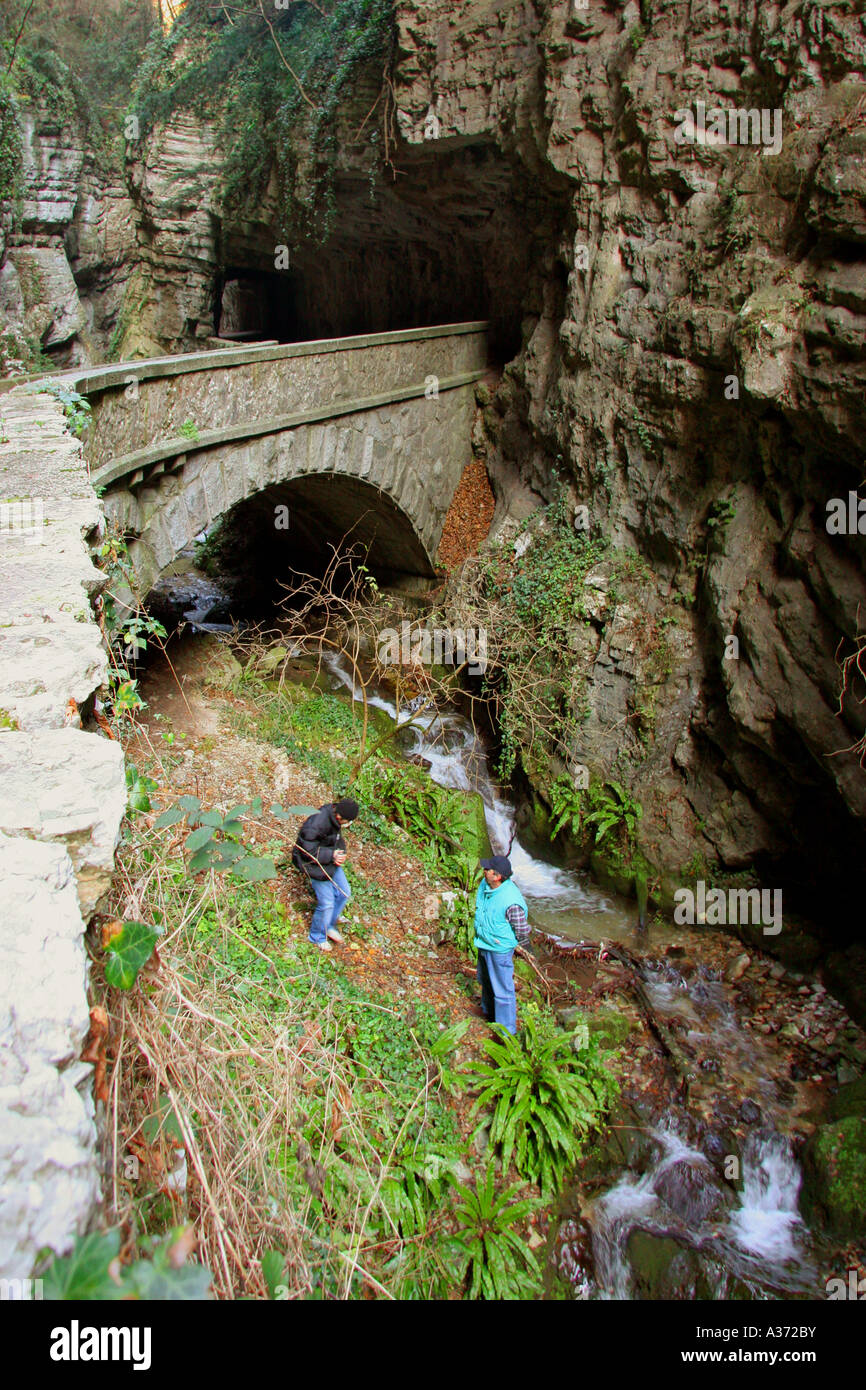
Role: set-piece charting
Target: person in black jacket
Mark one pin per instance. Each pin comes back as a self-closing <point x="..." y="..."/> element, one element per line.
<point x="320" y="851"/>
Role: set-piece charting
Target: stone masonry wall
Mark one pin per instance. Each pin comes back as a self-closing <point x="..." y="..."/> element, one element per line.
<point x="412" y="453"/>
<point x="267" y="383"/>
<point x="62" y="797"/>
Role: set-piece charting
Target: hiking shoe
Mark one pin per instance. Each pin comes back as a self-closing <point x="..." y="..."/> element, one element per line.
<point x="322" y="945"/>
<point x="334" y="935"/>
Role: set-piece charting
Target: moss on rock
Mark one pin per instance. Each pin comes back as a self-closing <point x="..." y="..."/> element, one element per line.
<point x="611" y="1028"/>
<point x="834" y="1176"/>
<point x="849" y="1100"/>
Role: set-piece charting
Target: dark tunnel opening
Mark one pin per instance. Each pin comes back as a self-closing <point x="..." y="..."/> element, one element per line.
<point x="457" y="238"/>
<point x="251" y="555"/>
<point x="257" y="306"/>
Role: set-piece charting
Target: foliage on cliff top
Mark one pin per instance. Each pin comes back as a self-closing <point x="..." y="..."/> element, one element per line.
<point x="77" y="61"/>
<point x="10" y="144"/>
<point x="275" y="83"/>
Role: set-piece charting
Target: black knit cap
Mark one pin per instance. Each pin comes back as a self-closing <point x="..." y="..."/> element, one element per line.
<point x="347" y="808"/>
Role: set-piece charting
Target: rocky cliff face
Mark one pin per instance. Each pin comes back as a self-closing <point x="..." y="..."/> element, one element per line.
<point x="701" y="376"/>
<point x="64" y="268"/>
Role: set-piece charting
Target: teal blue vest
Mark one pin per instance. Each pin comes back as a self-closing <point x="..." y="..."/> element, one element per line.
<point x="493" y="930"/>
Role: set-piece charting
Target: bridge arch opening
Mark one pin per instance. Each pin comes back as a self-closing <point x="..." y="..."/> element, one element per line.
<point x="293" y="526"/>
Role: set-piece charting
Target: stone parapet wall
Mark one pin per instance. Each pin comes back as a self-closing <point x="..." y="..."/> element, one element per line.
<point x="138" y="404"/>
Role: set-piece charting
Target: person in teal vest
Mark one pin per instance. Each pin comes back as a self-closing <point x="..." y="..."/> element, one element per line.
<point x="501" y="924"/>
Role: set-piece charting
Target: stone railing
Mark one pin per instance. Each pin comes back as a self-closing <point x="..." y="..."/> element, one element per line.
<point x="250" y="391"/>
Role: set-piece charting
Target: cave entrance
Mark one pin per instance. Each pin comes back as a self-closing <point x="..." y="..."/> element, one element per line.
<point x="257" y="306"/>
<point x="460" y="235"/>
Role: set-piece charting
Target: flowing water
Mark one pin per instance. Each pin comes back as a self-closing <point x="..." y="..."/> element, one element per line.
<point x="759" y="1248"/>
<point x="561" y="902"/>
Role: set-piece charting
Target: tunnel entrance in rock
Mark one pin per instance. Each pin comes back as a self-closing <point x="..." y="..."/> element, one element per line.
<point x="459" y="234"/>
<point x="256" y="305"/>
<point x="295" y="526"/>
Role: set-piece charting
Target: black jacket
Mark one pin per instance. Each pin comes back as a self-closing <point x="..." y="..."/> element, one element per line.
<point x="319" y="836"/>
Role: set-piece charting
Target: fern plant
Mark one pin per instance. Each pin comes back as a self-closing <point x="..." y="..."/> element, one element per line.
<point x="491" y="1256"/>
<point x="459" y="924"/>
<point x="545" y="1096"/>
<point x="613" y="807"/>
<point x="566" y="804"/>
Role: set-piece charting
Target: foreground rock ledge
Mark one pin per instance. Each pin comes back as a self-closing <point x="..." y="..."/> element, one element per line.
<point x="62" y="797"/>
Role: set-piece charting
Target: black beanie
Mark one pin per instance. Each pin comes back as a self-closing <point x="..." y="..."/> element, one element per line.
<point x="347" y="808"/>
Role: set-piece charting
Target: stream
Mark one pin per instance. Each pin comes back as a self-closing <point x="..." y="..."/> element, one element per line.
<point x="658" y="1221"/>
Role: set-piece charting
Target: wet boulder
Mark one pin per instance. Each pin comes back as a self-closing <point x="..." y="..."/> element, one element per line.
<point x="849" y="1100"/>
<point x="692" y="1192"/>
<point x="664" y="1268"/>
<point x="844" y="974"/>
<point x="607" y="1025"/>
<point x="626" y="1142"/>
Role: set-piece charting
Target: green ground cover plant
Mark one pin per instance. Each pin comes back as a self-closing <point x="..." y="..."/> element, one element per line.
<point x="546" y="1097"/>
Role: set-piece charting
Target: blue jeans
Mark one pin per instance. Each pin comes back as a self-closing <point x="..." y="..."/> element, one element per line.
<point x="331" y="902"/>
<point x="495" y="974"/>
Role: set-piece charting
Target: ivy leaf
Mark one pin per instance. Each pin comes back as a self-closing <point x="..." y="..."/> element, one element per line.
<point x="128" y="952"/>
<point x="163" y="1121"/>
<point x="84" y="1274"/>
<point x="156" y="1279"/>
<point x="140" y="788"/>
<point x="254" y="868"/>
<point x="137" y="798"/>
<point x="273" y="1269"/>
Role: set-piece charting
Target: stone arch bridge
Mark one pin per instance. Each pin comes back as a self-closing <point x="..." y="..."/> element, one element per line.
<point x="366" y="433"/>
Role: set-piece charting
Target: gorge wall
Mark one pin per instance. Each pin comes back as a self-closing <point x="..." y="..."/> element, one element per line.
<point x="66" y="259"/>
<point x="693" y="357"/>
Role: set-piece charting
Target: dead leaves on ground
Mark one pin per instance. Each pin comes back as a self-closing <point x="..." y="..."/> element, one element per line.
<point x="94" y="1051"/>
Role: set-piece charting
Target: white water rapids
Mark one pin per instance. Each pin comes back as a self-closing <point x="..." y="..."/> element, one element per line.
<point x="761" y="1241"/>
